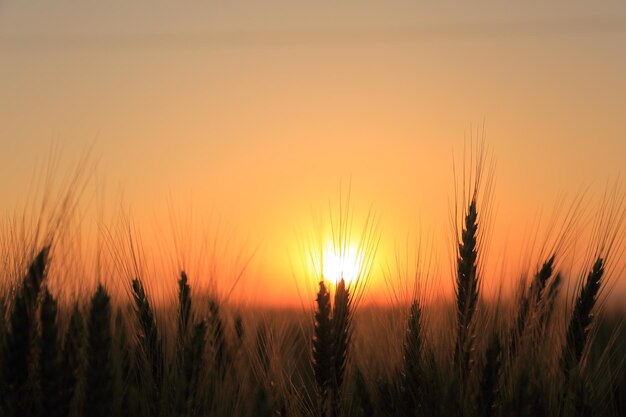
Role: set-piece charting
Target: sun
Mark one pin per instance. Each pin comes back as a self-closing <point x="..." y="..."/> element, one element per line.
<point x="341" y="263"/>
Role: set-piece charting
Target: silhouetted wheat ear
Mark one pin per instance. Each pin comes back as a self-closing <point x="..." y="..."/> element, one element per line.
<point x="541" y="278"/>
<point x="18" y="346"/>
<point x="72" y="358"/>
<point x="411" y="355"/>
<point x="322" y="347"/>
<point x="341" y="330"/>
<point x="99" y="367"/>
<point x="120" y="356"/>
<point x="35" y="276"/>
<point x="534" y="296"/>
<point x="582" y="318"/>
<point x="50" y="375"/>
<point x="218" y="338"/>
<point x="182" y="341"/>
<point x="149" y="339"/>
<point x="184" y="309"/>
<point x="467" y="288"/>
<point x="193" y="364"/>
<point x="547" y="306"/>
<point x="488" y="391"/>
<point x="128" y="370"/>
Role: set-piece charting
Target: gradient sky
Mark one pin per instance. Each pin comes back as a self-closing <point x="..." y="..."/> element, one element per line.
<point x="254" y="113"/>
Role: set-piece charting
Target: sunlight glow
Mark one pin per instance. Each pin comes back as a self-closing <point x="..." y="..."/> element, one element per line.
<point x="338" y="263"/>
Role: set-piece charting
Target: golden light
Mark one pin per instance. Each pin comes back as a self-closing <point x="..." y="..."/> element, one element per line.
<point x="343" y="262"/>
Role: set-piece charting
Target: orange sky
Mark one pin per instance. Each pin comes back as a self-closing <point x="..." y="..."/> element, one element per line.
<point x="254" y="114"/>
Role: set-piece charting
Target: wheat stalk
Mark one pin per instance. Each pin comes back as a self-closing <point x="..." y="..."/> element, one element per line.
<point x="412" y="366"/>
<point x="322" y="347"/>
<point x="50" y="382"/>
<point x="488" y="391"/>
<point x="149" y="341"/>
<point x="532" y="299"/>
<point x="132" y="403"/>
<point x="99" y="372"/>
<point x="18" y="345"/>
<point x="341" y="331"/>
<point x="582" y="318"/>
<point x="467" y="289"/>
<point x="184" y="311"/>
<point x="218" y="338"/>
<point x="72" y="358"/>
<point x="194" y="363"/>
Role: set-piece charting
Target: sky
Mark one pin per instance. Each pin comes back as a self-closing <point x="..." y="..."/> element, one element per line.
<point x="256" y="116"/>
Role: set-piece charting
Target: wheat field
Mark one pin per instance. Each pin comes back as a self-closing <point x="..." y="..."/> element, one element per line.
<point x="538" y="353"/>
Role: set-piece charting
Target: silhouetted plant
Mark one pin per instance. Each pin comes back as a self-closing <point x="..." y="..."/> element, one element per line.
<point x="582" y="316"/>
<point x="150" y="342"/>
<point x="194" y="364"/>
<point x="99" y="367"/>
<point x="531" y="299"/>
<point x="18" y="349"/>
<point x="132" y="401"/>
<point x="488" y="391"/>
<point x="467" y="288"/>
<point x="184" y="312"/>
<point x="341" y="332"/>
<point x="50" y="373"/>
<point x="546" y="309"/>
<point x="411" y="360"/>
<point x="72" y="359"/>
<point x="322" y="347"/>
<point x="218" y="338"/>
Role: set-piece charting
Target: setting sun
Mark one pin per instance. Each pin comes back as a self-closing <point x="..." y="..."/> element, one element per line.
<point x="341" y="262"/>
